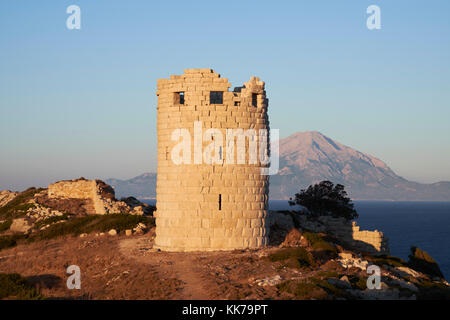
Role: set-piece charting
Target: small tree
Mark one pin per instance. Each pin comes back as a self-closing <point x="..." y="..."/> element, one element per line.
<point x="325" y="198"/>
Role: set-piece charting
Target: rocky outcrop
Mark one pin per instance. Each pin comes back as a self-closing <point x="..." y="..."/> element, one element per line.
<point x="39" y="212"/>
<point x="21" y="225"/>
<point x="96" y="197"/>
<point x="6" y="196"/>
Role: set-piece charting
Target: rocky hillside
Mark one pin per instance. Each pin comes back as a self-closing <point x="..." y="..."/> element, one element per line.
<point x="36" y="213"/>
<point x="307" y="258"/>
<point x="310" y="157"/>
<point x="6" y="196"/>
<point x="303" y="261"/>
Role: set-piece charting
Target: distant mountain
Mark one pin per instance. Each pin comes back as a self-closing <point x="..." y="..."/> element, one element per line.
<point x="310" y="157"/>
<point x="143" y="186"/>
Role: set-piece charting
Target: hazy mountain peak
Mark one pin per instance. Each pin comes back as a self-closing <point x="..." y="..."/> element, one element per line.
<point x="302" y="148"/>
<point x="310" y="157"/>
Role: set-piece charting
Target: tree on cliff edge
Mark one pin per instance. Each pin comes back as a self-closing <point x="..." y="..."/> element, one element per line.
<point x="325" y="198"/>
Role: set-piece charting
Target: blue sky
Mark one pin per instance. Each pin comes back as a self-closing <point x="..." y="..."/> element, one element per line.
<point x="82" y="102"/>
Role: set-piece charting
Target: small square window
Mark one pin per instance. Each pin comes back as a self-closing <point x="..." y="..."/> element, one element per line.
<point x="179" y="98"/>
<point x="216" y="97"/>
<point x="237" y="103"/>
<point x="254" y="99"/>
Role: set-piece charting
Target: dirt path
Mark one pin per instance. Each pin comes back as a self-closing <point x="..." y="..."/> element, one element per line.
<point x="120" y="267"/>
<point x="184" y="266"/>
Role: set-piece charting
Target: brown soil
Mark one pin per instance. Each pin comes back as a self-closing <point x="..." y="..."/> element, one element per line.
<point x="120" y="267"/>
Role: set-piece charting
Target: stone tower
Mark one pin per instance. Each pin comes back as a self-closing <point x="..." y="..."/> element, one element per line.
<point x="215" y="197"/>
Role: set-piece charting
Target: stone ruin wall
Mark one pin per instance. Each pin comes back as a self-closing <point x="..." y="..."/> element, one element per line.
<point x="373" y="242"/>
<point x="93" y="190"/>
<point x="188" y="216"/>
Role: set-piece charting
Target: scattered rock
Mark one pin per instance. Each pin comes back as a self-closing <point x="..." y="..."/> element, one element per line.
<point x="333" y="266"/>
<point x="128" y="232"/>
<point x="405" y="271"/>
<point x="269" y="281"/>
<point x="138" y="207"/>
<point x="138" y="210"/>
<point x="140" y="228"/>
<point x="349" y="262"/>
<point x="293" y="239"/>
<point x="83" y="235"/>
<point x="112" y="232"/>
<point x="345" y="279"/>
<point x="21" y="225"/>
<point x="39" y="212"/>
<point x="345" y="255"/>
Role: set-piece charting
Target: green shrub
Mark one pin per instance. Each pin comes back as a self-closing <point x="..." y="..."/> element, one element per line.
<point x="51" y="220"/>
<point x="9" y="241"/>
<point x="328" y="287"/>
<point x="5" y="225"/>
<point x="311" y="288"/>
<point x="358" y="282"/>
<point x="325" y="198"/>
<point x="318" y="243"/>
<point x="18" y="206"/>
<point x="94" y="223"/>
<point x="388" y="260"/>
<point x="77" y="226"/>
<point x="14" y="286"/>
<point x="300" y="289"/>
<point x="293" y="257"/>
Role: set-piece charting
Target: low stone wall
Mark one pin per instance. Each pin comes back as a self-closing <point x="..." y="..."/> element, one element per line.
<point x="77" y="189"/>
<point x="95" y="190"/>
<point x="349" y="233"/>
<point x="373" y="242"/>
<point x="99" y="196"/>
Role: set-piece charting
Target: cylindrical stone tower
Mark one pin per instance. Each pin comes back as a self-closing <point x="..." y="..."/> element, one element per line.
<point x="211" y="194"/>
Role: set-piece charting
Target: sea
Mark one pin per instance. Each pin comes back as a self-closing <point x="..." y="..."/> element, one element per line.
<point x="406" y="223"/>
